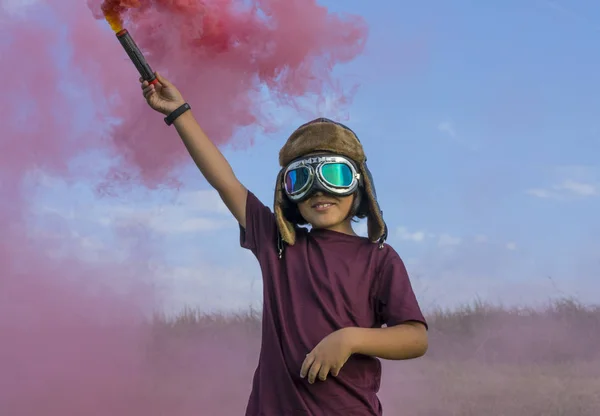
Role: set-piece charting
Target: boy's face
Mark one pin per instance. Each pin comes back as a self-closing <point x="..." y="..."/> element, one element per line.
<point x="327" y="211"/>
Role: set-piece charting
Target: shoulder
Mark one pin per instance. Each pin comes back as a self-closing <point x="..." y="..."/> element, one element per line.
<point x="385" y="252"/>
<point x="259" y="232"/>
<point x="254" y="202"/>
<point x="388" y="257"/>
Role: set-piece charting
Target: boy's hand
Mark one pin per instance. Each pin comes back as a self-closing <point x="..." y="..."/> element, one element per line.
<point x="162" y="96"/>
<point x="328" y="356"/>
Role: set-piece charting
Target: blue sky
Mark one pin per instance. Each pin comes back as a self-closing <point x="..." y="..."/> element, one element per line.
<point x="480" y="124"/>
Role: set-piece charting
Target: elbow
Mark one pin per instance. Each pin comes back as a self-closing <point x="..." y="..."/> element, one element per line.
<point x="411" y="342"/>
<point x="423" y="347"/>
<point x="421" y="341"/>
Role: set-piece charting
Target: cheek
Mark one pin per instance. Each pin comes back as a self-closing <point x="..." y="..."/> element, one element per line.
<point x="304" y="209"/>
<point x="345" y="206"/>
<point x="347" y="202"/>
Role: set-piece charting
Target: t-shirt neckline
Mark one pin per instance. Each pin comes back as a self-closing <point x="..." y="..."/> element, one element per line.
<point x="324" y="232"/>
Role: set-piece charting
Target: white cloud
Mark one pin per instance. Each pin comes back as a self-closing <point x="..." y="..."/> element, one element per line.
<point x="481" y="238"/>
<point x="17" y="6"/>
<point x="565" y="189"/>
<point x="445" y="240"/>
<point x="178" y="225"/>
<point x="189" y="212"/>
<point x="404" y="234"/>
<point x="204" y="200"/>
<point x="578" y="188"/>
<point x="448" y="128"/>
<point x="541" y="193"/>
<point x="201" y="282"/>
<point x="451" y="276"/>
<point x="511" y="246"/>
<point x="60" y="243"/>
<point x="211" y="287"/>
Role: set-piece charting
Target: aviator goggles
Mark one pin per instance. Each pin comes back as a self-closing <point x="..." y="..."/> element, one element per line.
<point x="336" y="175"/>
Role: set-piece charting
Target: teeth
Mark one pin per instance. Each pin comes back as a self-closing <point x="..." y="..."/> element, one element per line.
<point x="322" y="205"/>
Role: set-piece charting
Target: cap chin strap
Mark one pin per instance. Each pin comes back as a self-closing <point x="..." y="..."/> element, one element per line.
<point x="384" y="236"/>
<point x="280" y="245"/>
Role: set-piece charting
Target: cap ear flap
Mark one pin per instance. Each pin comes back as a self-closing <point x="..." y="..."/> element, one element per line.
<point x="286" y="228"/>
<point x="376" y="225"/>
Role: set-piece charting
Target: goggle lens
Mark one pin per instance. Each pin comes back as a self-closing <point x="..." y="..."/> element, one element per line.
<point x="337" y="174"/>
<point x="296" y="179"/>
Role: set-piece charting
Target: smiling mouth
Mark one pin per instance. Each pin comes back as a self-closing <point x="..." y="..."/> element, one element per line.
<point x="322" y="205"/>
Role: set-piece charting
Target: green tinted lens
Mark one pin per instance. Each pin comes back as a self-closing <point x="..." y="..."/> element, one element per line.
<point x="337" y="174"/>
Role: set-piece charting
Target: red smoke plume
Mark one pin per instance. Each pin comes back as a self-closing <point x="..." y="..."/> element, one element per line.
<point x="222" y="54"/>
<point x="72" y="338"/>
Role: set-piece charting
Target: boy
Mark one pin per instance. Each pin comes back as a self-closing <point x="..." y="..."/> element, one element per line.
<point x="327" y="293"/>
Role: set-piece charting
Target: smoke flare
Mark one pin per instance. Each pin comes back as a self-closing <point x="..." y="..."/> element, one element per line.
<point x="113" y="9"/>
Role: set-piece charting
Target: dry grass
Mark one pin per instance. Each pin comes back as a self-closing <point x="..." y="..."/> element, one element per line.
<point x="483" y="360"/>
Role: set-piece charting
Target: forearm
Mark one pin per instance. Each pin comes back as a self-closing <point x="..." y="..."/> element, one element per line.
<point x="401" y="342"/>
<point x="213" y="165"/>
<point x="209" y="159"/>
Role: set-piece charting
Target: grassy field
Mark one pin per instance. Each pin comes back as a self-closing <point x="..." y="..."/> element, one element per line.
<point x="483" y="360"/>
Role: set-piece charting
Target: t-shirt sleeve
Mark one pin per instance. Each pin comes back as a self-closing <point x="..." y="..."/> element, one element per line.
<point x="396" y="300"/>
<point x="261" y="228"/>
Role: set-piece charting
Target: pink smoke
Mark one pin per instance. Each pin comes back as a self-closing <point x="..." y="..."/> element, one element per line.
<point x="74" y="337"/>
<point x="221" y="55"/>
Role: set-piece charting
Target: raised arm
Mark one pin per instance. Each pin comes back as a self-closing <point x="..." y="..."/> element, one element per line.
<point x="165" y="98"/>
<point x="213" y="165"/>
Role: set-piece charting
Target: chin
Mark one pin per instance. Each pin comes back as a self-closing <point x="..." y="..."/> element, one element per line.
<point x="332" y="217"/>
<point x="317" y="222"/>
<point x="322" y="224"/>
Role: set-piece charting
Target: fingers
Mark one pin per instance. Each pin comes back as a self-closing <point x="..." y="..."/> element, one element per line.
<point x="145" y="83"/>
<point x="315" y="368"/>
<point x="148" y="90"/>
<point x="312" y="368"/>
<point x="162" y="79"/>
<point x="323" y="372"/>
<point x="308" y="361"/>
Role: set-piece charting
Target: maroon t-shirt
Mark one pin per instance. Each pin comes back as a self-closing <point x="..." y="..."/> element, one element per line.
<point x="325" y="282"/>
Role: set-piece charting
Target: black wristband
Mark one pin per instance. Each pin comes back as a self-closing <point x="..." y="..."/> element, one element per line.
<point x="176" y="113"/>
